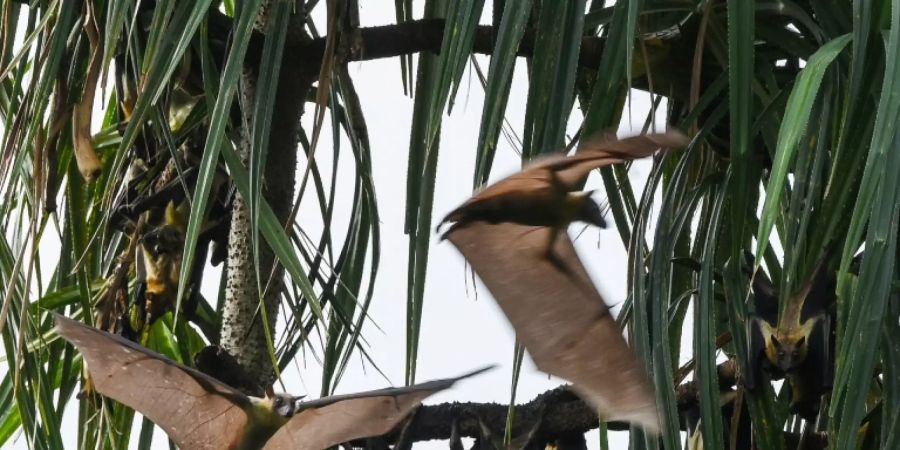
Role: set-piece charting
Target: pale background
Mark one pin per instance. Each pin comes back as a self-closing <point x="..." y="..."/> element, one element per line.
<point x="459" y="332"/>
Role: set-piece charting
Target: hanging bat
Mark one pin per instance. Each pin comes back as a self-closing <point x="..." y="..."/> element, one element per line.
<point x="199" y="412"/>
<point x="158" y="269"/>
<point x="513" y="233"/>
<point x="158" y="263"/>
<point x="800" y="346"/>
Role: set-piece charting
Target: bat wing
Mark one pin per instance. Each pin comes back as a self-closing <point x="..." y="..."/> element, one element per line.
<point x="195" y="410"/>
<point x="567" y="173"/>
<point x="559" y="316"/>
<point x="522" y="185"/>
<point x="329" y="421"/>
<point x="820" y="354"/>
<point x="600" y="151"/>
<point x="756" y="353"/>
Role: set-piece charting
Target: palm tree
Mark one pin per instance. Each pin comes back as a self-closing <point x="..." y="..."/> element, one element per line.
<point x="791" y="106"/>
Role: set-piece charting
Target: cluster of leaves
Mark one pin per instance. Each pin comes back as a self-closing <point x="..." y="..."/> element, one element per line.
<point x="161" y="60"/>
<point x="745" y="78"/>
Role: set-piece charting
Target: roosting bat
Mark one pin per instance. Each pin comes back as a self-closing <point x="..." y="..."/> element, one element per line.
<point x="199" y="412"/>
<point x="513" y="234"/>
<point x="800" y="344"/>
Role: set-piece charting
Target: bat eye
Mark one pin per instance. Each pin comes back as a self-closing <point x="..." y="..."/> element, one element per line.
<point x="781" y="354"/>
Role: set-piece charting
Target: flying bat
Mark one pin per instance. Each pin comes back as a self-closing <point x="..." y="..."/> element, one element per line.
<point x="199" y="412"/>
<point x="800" y="344"/>
<point x="513" y="233"/>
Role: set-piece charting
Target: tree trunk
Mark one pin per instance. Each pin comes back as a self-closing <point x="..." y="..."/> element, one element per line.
<point x="242" y="332"/>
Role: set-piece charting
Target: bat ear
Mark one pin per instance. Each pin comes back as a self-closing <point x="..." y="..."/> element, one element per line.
<point x="270" y="391"/>
<point x="808" y="325"/>
<point x="177" y="216"/>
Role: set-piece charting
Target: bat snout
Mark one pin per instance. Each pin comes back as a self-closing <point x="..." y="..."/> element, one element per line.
<point x="590" y="213"/>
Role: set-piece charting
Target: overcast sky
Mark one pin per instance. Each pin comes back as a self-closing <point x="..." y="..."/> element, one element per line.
<point x="459" y="332"/>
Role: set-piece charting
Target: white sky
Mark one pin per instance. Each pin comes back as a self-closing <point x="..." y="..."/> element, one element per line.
<point x="459" y="333"/>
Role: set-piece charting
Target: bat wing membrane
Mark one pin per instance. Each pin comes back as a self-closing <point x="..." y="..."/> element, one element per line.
<point x="558" y="315"/>
<point x="558" y="172"/>
<point x="606" y="149"/>
<point x="195" y="410"/>
<point x="330" y="421"/>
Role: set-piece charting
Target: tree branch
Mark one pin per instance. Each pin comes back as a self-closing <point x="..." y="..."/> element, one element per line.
<point x="386" y="41"/>
<point x="558" y="413"/>
<point x="426" y="35"/>
<point x="665" y="58"/>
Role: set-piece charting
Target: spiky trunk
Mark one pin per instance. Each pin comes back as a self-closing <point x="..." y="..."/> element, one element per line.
<point x="242" y="333"/>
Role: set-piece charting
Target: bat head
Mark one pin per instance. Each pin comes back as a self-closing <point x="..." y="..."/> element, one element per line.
<point x="283" y="405"/>
<point x="786" y="349"/>
<point x="787" y="354"/>
<point x="589" y="211"/>
<point x="162" y="241"/>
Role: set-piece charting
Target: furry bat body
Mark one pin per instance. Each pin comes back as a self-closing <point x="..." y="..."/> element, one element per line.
<point x="800" y="346"/>
<point x="513" y="233"/>
<point x="199" y="412"/>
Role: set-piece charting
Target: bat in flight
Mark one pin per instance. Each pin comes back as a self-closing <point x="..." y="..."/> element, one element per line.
<point x="199" y="412"/>
<point x="514" y="234"/>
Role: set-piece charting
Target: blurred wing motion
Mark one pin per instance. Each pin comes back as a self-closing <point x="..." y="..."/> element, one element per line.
<point x="599" y="151"/>
<point x="200" y="413"/>
<point x="195" y="410"/>
<point x="541" y="194"/>
<point x="559" y="316"/>
<point x="329" y="421"/>
<point x="513" y="233"/>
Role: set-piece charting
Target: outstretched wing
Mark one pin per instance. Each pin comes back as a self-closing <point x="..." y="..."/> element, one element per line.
<point x="329" y="421"/>
<point x="195" y="410"/>
<point x="602" y="150"/>
<point x="558" y="315"/>
<point x="559" y="172"/>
